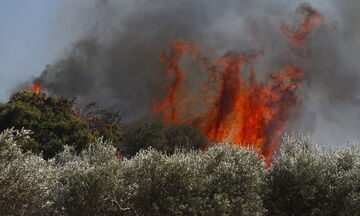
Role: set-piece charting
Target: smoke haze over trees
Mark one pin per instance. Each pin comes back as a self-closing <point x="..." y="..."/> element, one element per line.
<point x="65" y="158"/>
<point x="114" y="59"/>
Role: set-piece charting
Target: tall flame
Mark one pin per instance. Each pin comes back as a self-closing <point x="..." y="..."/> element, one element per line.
<point x="242" y="110"/>
<point x="36" y="87"/>
<point x="174" y="90"/>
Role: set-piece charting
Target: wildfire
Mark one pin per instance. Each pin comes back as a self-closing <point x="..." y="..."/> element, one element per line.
<point x="240" y="109"/>
<point x="169" y="107"/>
<point x="304" y="28"/>
<point x="36" y="87"/>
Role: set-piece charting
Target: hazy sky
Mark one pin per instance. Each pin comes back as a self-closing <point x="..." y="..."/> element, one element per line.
<point x="26" y="29"/>
<point x="29" y="38"/>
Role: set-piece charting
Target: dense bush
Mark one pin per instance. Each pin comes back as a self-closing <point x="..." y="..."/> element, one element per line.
<point x="54" y="122"/>
<point x="308" y="181"/>
<point x="57" y="122"/>
<point x="160" y="137"/>
<point x="25" y="179"/>
<point x="86" y="181"/>
<point x="224" y="180"/>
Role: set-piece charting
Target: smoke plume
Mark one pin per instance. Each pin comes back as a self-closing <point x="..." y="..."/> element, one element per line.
<point x="115" y="58"/>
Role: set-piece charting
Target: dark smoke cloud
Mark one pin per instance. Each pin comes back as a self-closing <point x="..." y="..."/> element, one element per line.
<point x="332" y="88"/>
<point x="115" y="59"/>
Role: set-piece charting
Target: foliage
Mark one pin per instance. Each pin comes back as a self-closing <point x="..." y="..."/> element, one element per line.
<point x="141" y="137"/>
<point x="160" y="137"/>
<point x="53" y="121"/>
<point x="307" y="181"/>
<point x="25" y="179"/>
<point x="86" y="181"/>
<point x="183" y="136"/>
<point x="103" y="123"/>
<point x="57" y="122"/>
<point x="235" y="184"/>
<point x="224" y="180"/>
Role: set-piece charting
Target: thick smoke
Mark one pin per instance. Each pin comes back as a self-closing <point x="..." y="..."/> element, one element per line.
<point x="115" y="59"/>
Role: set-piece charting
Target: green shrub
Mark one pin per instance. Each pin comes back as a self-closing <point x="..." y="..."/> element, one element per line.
<point x="183" y="136"/>
<point x="160" y="137"/>
<point x="54" y="123"/>
<point x="225" y="180"/>
<point x="307" y="181"/>
<point x="142" y="136"/>
<point x="25" y="179"/>
<point x="235" y="181"/>
<point x="86" y="181"/>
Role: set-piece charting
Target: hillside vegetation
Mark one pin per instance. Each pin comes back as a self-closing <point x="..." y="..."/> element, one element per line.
<point x="153" y="169"/>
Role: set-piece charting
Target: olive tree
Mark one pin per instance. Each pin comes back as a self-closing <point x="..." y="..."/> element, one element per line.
<point x="25" y="179"/>
<point x="305" y="180"/>
<point x="225" y="180"/>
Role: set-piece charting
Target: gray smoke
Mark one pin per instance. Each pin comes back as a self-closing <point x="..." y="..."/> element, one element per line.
<point x="115" y="58"/>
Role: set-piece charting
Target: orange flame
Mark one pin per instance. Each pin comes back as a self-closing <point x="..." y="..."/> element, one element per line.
<point x="36" y="87"/>
<point x="251" y="113"/>
<point x="168" y="107"/>
<point x="305" y="27"/>
<point x="242" y="110"/>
